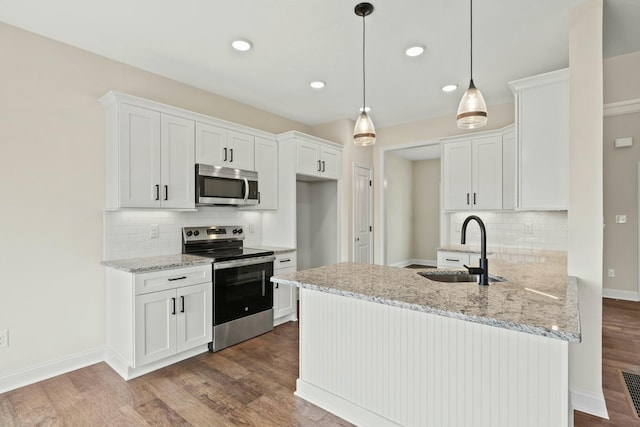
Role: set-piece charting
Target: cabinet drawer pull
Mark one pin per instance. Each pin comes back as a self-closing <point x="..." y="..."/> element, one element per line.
<point x="453" y="259"/>
<point x="286" y="260"/>
<point x="177" y="278"/>
<point x="182" y="300"/>
<point x="173" y="300"/>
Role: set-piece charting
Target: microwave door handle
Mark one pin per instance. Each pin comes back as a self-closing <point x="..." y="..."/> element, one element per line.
<point x="246" y="189"/>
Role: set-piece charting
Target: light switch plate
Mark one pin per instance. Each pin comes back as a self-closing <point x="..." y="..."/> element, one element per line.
<point x="621" y="219"/>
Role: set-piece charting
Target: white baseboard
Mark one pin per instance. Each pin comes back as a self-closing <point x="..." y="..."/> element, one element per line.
<point x="588" y="402"/>
<point x="425" y="262"/>
<point x="49" y="369"/>
<point x="343" y="408"/>
<point x="619" y="294"/>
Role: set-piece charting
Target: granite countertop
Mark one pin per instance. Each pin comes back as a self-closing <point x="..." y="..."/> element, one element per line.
<point x="156" y="263"/>
<point x="276" y="249"/>
<point x="537" y="298"/>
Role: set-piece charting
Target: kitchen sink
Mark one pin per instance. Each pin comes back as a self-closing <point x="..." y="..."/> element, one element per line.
<point x="456" y="276"/>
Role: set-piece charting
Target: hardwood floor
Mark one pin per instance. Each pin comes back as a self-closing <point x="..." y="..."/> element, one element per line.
<point x="620" y="351"/>
<point x="252" y="384"/>
<point x="249" y="384"/>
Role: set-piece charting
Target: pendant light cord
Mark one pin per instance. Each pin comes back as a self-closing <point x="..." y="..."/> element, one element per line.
<point x="471" y="39"/>
<point x="364" y="99"/>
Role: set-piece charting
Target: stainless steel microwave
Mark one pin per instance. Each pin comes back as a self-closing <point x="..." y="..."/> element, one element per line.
<point x="217" y="185"/>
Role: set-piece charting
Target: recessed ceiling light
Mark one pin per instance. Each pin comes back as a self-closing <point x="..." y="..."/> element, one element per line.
<point x="242" y="45"/>
<point x="416" y="50"/>
<point x="449" y="88"/>
<point x="317" y="84"/>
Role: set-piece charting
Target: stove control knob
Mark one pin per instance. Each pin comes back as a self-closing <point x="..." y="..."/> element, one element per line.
<point x="235" y="231"/>
<point x="239" y="230"/>
<point x="195" y="233"/>
<point x="189" y="233"/>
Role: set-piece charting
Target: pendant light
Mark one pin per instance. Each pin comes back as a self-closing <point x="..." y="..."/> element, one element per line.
<point x="364" y="133"/>
<point x="472" y="111"/>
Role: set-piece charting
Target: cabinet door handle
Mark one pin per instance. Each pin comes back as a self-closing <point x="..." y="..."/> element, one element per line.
<point x="323" y="166"/>
<point x="157" y="192"/>
<point x="277" y="285"/>
<point x="173" y="300"/>
<point x="177" y="278"/>
<point x="182" y="300"/>
<point x="474" y="198"/>
<point x="319" y="166"/>
<point x="225" y="154"/>
<point x="258" y="197"/>
<point x="231" y="151"/>
<point x="166" y="192"/>
<point x="286" y="260"/>
<point x="467" y="198"/>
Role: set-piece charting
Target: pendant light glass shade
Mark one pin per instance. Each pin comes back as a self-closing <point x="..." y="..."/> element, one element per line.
<point x="472" y="111"/>
<point x="364" y="133"/>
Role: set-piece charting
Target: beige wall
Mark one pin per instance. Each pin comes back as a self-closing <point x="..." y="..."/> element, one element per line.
<point x="399" y="186"/>
<point x="52" y="174"/>
<point x="585" y="215"/>
<point x="621" y="83"/>
<point x="426" y="209"/>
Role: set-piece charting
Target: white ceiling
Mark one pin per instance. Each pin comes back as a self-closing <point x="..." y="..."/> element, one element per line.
<point x="297" y="41"/>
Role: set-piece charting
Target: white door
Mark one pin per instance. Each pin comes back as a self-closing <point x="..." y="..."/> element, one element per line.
<point x="194" y="314"/>
<point x="240" y="151"/>
<point x="456" y="180"/>
<point x="362" y="224"/>
<point x="139" y="157"/>
<point x="155" y="326"/>
<point x="177" y="170"/>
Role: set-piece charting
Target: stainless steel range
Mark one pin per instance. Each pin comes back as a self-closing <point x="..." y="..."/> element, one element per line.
<point x="242" y="291"/>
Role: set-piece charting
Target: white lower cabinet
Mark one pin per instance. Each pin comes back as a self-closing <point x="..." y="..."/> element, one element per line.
<point x="285" y="297"/>
<point x="158" y="318"/>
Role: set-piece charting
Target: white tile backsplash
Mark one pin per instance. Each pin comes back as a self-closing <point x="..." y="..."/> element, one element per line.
<point x="126" y="232"/>
<point x="517" y="230"/>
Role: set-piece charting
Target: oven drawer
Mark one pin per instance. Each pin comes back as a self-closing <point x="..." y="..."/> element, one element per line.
<point x="172" y="279"/>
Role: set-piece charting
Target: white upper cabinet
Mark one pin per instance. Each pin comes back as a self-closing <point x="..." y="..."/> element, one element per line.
<point x="222" y="147"/>
<point x="316" y="157"/>
<point x="472" y="173"/>
<point x="266" y="159"/>
<point x="542" y="138"/>
<point x="150" y="158"/>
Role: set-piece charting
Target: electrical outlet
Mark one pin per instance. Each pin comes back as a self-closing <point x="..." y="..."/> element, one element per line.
<point x="154" y="231"/>
<point x="4" y="338"/>
<point x="611" y="272"/>
<point x="252" y="228"/>
<point x="528" y="229"/>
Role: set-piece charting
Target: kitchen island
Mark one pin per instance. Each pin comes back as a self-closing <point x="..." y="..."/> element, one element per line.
<point x="384" y="346"/>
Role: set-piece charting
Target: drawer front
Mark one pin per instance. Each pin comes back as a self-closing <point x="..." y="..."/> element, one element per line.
<point x="285" y="260"/>
<point x="452" y="259"/>
<point x="172" y="279"/>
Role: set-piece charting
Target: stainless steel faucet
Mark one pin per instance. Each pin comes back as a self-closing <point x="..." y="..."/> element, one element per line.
<point x="483" y="270"/>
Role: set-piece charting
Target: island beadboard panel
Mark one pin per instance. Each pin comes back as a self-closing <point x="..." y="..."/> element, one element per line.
<point x="379" y="365"/>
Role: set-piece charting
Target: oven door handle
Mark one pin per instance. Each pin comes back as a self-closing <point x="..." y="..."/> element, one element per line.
<point x="243" y="262"/>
